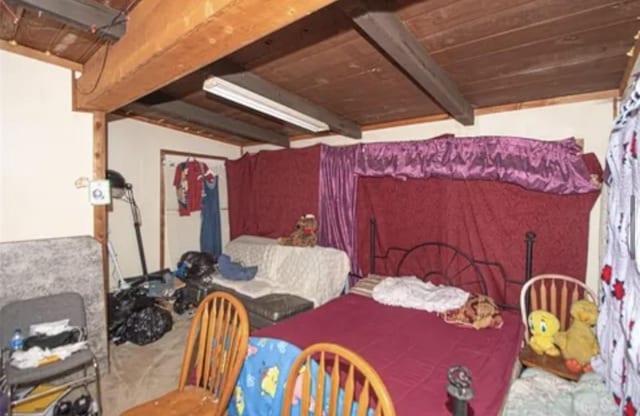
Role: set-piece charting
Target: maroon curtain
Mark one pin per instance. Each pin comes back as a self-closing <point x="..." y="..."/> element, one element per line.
<point x="486" y="219"/>
<point x="268" y="191"/>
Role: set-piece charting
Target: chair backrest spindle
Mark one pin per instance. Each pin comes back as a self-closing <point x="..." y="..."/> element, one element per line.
<point x="352" y="380"/>
<point x="218" y="339"/>
<point x="542" y="292"/>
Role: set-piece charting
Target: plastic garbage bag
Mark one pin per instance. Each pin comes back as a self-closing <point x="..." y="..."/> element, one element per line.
<point x="147" y="325"/>
<point x="196" y="264"/>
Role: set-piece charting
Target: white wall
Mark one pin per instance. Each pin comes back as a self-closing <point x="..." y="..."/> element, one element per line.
<point x="589" y="120"/>
<point x="134" y="151"/>
<point x="44" y="148"/>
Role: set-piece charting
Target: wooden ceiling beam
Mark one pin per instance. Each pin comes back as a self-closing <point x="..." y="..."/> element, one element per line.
<point x="182" y="126"/>
<point x="87" y="15"/>
<point x="245" y="79"/>
<point x="167" y="40"/>
<point x="180" y="110"/>
<point x="386" y="31"/>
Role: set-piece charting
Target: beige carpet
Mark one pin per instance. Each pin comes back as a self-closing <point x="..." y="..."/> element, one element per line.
<point x="141" y="373"/>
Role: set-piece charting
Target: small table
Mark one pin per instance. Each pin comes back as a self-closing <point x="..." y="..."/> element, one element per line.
<point x="554" y="365"/>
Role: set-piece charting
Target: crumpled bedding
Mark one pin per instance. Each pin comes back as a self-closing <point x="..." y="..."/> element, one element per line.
<point x="315" y="273"/>
<point x="539" y="393"/>
<point x="411" y="292"/>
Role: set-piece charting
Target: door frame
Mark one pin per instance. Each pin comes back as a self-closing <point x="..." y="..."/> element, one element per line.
<point x="163" y="155"/>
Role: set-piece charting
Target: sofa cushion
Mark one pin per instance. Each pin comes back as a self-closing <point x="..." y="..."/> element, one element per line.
<point x="278" y="306"/>
<point x="268" y="309"/>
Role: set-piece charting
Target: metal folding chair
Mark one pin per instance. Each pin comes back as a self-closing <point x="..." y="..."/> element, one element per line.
<point x="24" y="313"/>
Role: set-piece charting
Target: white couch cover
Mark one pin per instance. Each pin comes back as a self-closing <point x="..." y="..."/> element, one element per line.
<point x="315" y="273"/>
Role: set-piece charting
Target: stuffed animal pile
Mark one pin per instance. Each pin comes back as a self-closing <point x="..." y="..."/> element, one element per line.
<point x="577" y="345"/>
<point x="304" y="235"/>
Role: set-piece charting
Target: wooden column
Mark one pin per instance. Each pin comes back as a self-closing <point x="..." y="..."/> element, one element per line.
<point x="99" y="172"/>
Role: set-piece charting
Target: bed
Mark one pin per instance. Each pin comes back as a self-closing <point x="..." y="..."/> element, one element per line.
<point x="413" y="350"/>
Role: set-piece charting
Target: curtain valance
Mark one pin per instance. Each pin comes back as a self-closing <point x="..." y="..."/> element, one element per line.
<point x="548" y="166"/>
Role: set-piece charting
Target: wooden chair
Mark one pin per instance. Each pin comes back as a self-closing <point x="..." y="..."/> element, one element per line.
<point x="346" y="369"/>
<point x="216" y="348"/>
<point x="554" y="293"/>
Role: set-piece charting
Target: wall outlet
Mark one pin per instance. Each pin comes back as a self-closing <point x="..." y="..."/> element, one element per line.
<point x="99" y="192"/>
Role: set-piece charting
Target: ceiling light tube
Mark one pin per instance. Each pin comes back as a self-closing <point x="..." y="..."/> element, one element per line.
<point x="247" y="98"/>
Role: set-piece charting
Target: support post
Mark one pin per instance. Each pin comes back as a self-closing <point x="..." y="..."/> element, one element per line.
<point x="100" y="217"/>
<point x="372" y="245"/>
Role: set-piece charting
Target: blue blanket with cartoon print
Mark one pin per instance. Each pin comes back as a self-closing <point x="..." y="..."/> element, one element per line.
<point x="261" y="384"/>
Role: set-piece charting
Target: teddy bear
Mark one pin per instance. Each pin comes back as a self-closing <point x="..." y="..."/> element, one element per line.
<point x="543" y="326"/>
<point x="304" y="235"/>
<point x="578" y="343"/>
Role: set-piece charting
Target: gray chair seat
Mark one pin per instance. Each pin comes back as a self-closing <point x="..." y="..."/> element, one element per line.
<point x="19" y="376"/>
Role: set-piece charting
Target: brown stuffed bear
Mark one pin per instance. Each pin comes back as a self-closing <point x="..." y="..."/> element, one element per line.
<point x="304" y="235"/>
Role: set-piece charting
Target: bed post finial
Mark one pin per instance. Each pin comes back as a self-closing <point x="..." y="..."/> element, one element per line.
<point x="530" y="238"/>
<point x="459" y="388"/>
<point x="372" y="245"/>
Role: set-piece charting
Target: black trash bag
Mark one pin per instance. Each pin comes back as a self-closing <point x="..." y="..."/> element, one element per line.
<point x="147" y="325"/>
<point x="121" y="304"/>
<point x="196" y="264"/>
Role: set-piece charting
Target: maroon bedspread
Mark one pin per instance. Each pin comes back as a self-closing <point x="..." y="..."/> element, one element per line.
<point x="412" y="350"/>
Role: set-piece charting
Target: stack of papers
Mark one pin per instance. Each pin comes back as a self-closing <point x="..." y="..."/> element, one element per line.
<point x="42" y="406"/>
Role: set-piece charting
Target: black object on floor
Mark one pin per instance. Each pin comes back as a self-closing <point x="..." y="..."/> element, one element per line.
<point x="63" y="408"/>
<point x="197" y="264"/>
<point x="192" y="293"/>
<point x="135" y="317"/>
<point x="82" y="405"/>
<point x="147" y="325"/>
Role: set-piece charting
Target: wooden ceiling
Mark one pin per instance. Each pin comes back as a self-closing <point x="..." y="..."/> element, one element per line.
<point x="34" y="30"/>
<point x="495" y="52"/>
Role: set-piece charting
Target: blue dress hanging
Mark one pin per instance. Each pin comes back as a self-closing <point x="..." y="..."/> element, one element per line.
<point x="210" y="239"/>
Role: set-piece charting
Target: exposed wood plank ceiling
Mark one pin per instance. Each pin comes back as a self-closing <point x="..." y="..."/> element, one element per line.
<point x="496" y="52"/>
<point x="31" y="29"/>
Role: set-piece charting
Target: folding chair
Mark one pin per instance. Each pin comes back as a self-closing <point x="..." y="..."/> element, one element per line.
<point x="24" y="313"/>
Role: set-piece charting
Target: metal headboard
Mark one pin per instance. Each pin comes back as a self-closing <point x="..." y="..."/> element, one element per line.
<point x="456" y="262"/>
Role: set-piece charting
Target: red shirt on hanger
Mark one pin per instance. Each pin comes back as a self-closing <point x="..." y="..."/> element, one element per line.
<point x="188" y="182"/>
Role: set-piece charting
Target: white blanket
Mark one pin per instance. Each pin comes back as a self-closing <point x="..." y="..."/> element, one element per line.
<point x="315" y="273"/>
<point x="35" y="355"/>
<point x="538" y="393"/>
<point x="411" y="292"/>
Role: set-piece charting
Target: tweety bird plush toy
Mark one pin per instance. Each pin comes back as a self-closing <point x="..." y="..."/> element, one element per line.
<point x="543" y="326"/>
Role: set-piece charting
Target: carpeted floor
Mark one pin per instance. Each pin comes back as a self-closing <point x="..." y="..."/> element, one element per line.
<point x="141" y="373"/>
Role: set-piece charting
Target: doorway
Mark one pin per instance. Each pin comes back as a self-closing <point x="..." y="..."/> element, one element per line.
<point x="181" y="233"/>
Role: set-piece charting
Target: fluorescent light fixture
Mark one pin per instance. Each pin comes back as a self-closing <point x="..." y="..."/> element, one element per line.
<point x="247" y="98"/>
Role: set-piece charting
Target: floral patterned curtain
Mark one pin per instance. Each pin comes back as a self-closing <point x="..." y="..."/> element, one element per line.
<point x="618" y="334"/>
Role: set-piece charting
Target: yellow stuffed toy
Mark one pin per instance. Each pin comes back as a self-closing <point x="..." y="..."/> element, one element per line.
<point x="543" y="326"/>
<point x="578" y="343"/>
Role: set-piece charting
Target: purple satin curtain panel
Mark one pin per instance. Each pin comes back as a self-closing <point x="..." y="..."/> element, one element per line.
<point x="547" y="166"/>
<point x="337" y="195"/>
